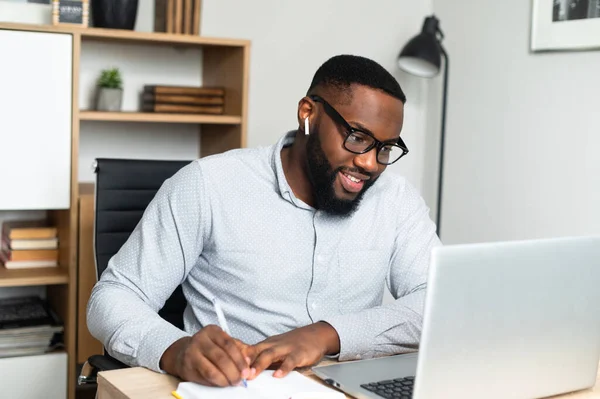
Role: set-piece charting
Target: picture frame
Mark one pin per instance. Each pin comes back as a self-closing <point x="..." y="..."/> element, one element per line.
<point x="70" y="12"/>
<point x="565" y="25"/>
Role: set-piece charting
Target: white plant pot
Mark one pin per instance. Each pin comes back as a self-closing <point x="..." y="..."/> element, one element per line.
<point x="109" y="99"/>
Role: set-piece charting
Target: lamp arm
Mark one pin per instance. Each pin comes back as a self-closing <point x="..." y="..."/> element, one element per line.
<point x="442" y="142"/>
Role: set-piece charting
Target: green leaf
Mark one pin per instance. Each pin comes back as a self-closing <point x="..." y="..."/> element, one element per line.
<point x="111" y="79"/>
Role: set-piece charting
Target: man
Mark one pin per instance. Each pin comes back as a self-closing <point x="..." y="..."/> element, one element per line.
<point x="298" y="241"/>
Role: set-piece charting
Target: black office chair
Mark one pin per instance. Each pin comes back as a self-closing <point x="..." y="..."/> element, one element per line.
<point x="124" y="188"/>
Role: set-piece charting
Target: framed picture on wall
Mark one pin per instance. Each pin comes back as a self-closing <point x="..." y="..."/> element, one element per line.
<point x="565" y="25"/>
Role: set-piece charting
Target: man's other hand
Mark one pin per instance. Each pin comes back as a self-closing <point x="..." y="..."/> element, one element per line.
<point x="210" y="357"/>
<point x="301" y="347"/>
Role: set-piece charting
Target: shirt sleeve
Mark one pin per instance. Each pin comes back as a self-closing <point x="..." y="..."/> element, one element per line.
<point x="123" y="308"/>
<point x="395" y="327"/>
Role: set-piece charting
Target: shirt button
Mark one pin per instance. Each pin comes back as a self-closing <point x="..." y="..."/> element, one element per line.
<point x="358" y="357"/>
<point x="320" y="258"/>
<point x="314" y="305"/>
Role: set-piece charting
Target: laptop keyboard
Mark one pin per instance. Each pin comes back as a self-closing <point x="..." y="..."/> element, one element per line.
<point x="399" y="388"/>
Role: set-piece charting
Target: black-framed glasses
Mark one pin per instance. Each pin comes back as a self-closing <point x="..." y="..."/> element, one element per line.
<point x="360" y="142"/>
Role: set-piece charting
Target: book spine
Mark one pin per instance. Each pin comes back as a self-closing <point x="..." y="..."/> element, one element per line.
<point x="170" y="16"/>
<point x="196" y="20"/>
<point x="19" y="234"/>
<point x="31" y="254"/>
<point x="187" y="17"/>
<point x="185" y="90"/>
<point x="184" y="109"/>
<point x="182" y="99"/>
<point x="178" y="16"/>
<point x="160" y="15"/>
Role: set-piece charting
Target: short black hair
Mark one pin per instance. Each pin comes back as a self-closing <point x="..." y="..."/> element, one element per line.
<point x="343" y="70"/>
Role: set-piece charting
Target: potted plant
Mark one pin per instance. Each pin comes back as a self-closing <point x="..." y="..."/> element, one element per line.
<point x="110" y="90"/>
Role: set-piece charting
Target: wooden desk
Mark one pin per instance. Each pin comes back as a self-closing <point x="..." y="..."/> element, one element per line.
<point x="141" y="383"/>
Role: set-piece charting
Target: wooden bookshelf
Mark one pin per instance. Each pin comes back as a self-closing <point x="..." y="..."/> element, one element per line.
<point x="25" y="277"/>
<point x="158" y="117"/>
<point x="125" y="36"/>
<point x="225" y="63"/>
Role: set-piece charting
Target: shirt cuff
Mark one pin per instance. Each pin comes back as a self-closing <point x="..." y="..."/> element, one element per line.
<point x="355" y="341"/>
<point x="155" y="342"/>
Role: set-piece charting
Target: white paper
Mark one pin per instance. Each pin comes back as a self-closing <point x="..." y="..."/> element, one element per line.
<point x="265" y="386"/>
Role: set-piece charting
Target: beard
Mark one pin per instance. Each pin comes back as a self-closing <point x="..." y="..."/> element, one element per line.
<point x="322" y="178"/>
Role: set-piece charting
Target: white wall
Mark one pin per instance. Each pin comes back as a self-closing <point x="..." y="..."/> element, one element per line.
<point x="522" y="129"/>
<point x="290" y="40"/>
<point x="139" y="65"/>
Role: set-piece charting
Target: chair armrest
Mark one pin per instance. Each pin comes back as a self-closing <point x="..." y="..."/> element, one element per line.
<point x="95" y="364"/>
<point x="105" y="363"/>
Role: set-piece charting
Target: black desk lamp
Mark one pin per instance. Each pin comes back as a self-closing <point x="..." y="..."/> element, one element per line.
<point x="422" y="57"/>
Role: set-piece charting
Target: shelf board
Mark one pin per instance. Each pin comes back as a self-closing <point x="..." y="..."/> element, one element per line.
<point x="34" y="276"/>
<point x="158" y="117"/>
<point x="128" y="36"/>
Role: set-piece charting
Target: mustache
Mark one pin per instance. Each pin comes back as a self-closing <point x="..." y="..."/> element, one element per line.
<point x="354" y="170"/>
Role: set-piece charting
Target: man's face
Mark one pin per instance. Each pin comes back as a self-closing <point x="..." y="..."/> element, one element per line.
<point x="339" y="177"/>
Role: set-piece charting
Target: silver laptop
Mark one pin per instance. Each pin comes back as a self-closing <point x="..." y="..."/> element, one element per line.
<point x="502" y="320"/>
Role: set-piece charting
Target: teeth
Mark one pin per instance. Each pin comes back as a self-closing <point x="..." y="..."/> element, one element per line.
<point x="354" y="179"/>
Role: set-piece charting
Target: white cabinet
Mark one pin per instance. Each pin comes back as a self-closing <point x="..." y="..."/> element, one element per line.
<point x="35" y="120"/>
<point x="34" y="377"/>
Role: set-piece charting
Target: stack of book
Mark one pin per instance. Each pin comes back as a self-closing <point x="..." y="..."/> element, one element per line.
<point x="28" y="326"/>
<point x="183" y="99"/>
<point x="28" y="244"/>
<point x="177" y="16"/>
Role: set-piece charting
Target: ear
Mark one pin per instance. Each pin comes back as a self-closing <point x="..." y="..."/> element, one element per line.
<point x="305" y="113"/>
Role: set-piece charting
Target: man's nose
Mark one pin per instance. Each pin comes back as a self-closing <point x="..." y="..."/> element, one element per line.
<point x="367" y="161"/>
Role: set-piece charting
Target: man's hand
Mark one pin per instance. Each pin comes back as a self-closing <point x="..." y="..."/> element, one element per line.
<point x="210" y="357"/>
<point x="304" y="346"/>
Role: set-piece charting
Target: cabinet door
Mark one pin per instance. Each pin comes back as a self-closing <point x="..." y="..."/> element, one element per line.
<point x="35" y="120"/>
<point x="34" y="377"/>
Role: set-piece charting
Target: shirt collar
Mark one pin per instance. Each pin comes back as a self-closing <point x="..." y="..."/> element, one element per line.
<point x="284" y="188"/>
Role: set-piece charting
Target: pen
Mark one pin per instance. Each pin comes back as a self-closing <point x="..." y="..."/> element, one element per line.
<point x="223" y="324"/>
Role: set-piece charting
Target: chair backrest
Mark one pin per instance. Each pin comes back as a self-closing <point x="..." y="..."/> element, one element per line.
<point x="124" y="188"/>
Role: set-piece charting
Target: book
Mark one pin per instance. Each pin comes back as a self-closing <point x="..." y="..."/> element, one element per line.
<point x="28" y="326"/>
<point x="170" y="23"/>
<point x="185" y="90"/>
<point x="187" y="16"/>
<point x="25" y="312"/>
<point x="25" y="264"/>
<point x="30" y="254"/>
<point x="182" y="109"/>
<point x="196" y="20"/>
<point x="160" y="16"/>
<point x="265" y="386"/>
<point x="28" y="229"/>
<point x="36" y="243"/>
<point x="181" y="99"/>
<point x="178" y="16"/>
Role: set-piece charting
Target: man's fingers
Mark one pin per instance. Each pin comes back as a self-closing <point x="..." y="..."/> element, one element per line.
<point x="210" y="373"/>
<point x="289" y="364"/>
<point x="232" y="348"/>
<point x="268" y="356"/>
<point x="248" y="351"/>
<point x="221" y="360"/>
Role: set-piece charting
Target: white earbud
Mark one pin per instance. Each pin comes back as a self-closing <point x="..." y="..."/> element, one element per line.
<point x="306" y="126"/>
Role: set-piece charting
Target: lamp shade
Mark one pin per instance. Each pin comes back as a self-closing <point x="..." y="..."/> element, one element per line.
<point x="421" y="56"/>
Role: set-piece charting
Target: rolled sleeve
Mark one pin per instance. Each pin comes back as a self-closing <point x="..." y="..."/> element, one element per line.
<point x="155" y="342"/>
<point x="354" y="340"/>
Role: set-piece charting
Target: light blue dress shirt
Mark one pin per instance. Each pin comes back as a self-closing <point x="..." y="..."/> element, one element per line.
<point x="230" y="223"/>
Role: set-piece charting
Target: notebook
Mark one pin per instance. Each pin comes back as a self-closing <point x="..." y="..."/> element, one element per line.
<point x="265" y="386"/>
